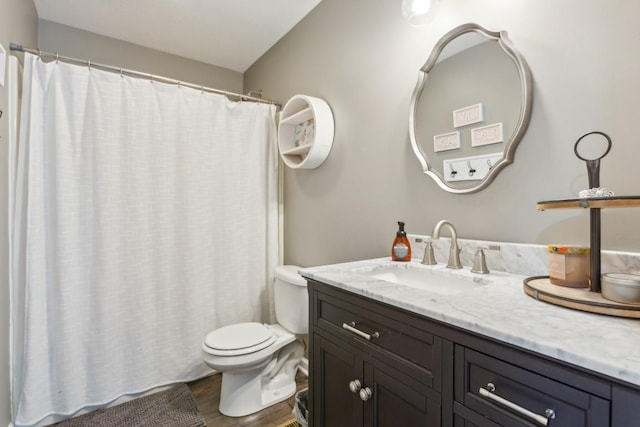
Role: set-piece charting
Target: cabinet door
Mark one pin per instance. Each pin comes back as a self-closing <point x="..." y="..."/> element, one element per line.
<point x="626" y="407"/>
<point x="397" y="399"/>
<point x="334" y="367"/>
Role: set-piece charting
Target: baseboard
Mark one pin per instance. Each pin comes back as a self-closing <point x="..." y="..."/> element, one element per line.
<point x="304" y="366"/>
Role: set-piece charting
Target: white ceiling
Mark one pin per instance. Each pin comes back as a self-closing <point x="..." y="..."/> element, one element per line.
<point x="228" y="33"/>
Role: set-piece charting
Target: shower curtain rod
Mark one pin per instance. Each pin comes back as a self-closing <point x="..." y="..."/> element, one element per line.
<point x="19" y="48"/>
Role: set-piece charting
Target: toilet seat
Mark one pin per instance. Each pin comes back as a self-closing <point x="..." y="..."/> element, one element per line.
<point x="239" y="339"/>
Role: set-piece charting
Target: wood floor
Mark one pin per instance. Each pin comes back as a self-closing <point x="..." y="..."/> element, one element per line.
<point x="206" y="392"/>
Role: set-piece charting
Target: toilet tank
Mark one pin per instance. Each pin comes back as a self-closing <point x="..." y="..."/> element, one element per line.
<point x="291" y="299"/>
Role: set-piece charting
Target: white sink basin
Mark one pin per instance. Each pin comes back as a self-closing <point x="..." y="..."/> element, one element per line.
<point x="435" y="279"/>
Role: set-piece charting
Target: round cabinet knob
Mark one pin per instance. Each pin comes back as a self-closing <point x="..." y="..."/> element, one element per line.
<point x="365" y="394"/>
<point x="354" y="386"/>
<point x="550" y="414"/>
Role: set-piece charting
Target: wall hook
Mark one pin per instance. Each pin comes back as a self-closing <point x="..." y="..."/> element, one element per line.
<point x="471" y="169"/>
<point x="453" y="171"/>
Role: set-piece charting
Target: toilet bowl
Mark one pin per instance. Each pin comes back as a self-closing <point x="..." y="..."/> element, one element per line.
<point x="259" y="362"/>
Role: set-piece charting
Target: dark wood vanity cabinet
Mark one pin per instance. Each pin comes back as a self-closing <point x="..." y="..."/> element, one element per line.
<point x="371" y="365"/>
<point x="381" y="396"/>
<point x="376" y="365"/>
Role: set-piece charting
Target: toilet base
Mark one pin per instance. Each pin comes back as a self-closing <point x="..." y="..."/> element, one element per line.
<point x="248" y="391"/>
<point x="249" y="397"/>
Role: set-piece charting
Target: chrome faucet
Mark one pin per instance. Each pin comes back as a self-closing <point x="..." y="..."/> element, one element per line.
<point x="454" y="252"/>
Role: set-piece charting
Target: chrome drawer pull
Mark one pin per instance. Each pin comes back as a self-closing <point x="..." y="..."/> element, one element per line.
<point x="351" y="328"/>
<point x="355" y="386"/>
<point x="542" y="419"/>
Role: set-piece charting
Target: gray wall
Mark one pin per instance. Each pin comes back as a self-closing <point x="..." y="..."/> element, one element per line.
<point x="19" y="24"/>
<point x="362" y="57"/>
<point x="68" y="41"/>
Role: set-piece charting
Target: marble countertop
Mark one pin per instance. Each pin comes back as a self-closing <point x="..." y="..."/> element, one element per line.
<point x="501" y="310"/>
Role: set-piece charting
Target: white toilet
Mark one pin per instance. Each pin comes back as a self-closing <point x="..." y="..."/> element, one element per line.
<point x="259" y="362"/>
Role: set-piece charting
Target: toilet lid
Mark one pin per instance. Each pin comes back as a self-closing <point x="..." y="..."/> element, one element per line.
<point x="241" y="338"/>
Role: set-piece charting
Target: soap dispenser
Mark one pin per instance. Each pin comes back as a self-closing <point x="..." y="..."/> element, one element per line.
<point x="401" y="249"/>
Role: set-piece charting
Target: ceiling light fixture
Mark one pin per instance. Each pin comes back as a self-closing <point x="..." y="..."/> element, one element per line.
<point x="418" y="12"/>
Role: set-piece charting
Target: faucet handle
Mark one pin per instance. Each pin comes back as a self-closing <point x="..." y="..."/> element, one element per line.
<point x="428" y="258"/>
<point x="480" y="261"/>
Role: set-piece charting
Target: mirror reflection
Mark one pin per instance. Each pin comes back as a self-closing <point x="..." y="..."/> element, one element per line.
<point x="470" y="108"/>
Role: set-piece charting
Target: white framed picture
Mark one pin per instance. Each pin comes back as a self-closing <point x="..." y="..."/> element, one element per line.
<point x="468" y="115"/>
<point x="485" y="135"/>
<point x="446" y="141"/>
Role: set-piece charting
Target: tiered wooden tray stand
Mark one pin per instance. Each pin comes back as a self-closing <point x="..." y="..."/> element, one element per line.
<point x="585" y="299"/>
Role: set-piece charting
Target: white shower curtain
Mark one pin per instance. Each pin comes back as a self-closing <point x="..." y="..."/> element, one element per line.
<point x="149" y="219"/>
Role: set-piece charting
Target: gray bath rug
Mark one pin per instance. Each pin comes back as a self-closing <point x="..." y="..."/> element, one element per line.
<point x="174" y="407"/>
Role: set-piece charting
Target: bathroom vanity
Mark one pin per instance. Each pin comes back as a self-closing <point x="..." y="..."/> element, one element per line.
<point x="387" y="354"/>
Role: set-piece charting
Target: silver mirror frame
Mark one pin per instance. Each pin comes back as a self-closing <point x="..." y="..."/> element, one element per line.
<point x="523" y="118"/>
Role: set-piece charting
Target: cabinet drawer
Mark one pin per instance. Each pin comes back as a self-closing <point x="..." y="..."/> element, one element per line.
<point x="406" y="347"/>
<point x="514" y="396"/>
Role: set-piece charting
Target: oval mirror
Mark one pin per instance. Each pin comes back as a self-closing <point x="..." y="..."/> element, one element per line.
<point x="470" y="108"/>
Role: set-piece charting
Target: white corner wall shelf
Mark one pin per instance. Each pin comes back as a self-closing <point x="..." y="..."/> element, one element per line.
<point x="305" y="132"/>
